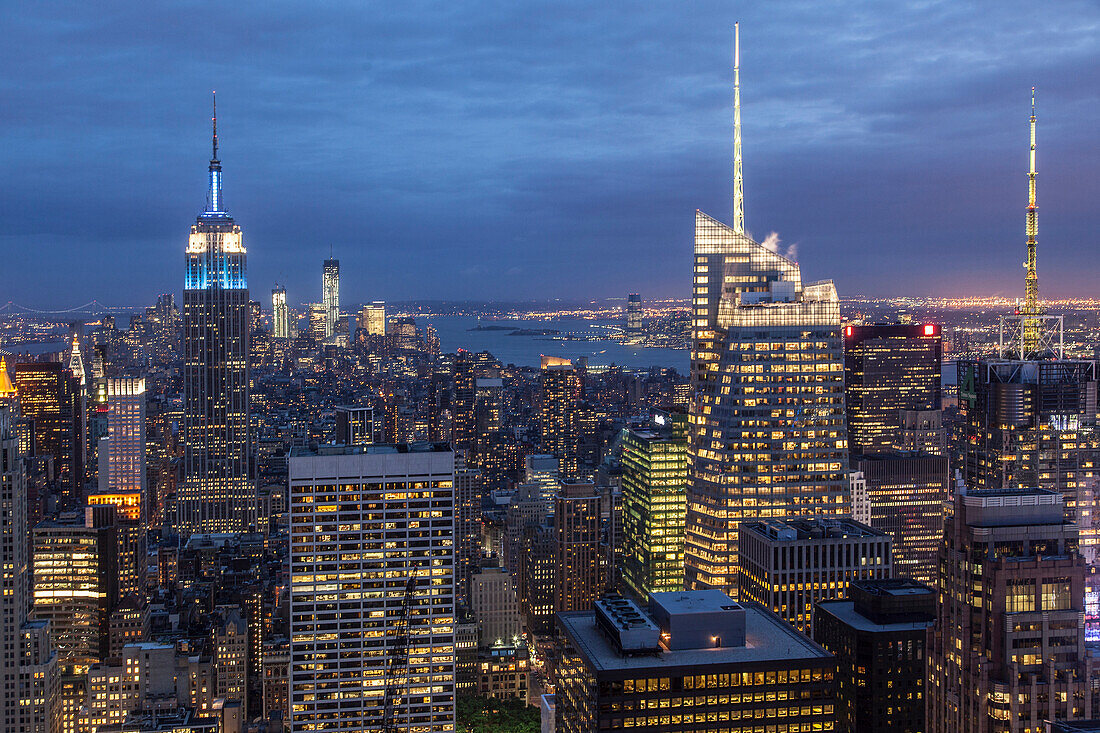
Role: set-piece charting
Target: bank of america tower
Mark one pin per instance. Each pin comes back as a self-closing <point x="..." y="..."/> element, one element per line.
<point x="217" y="492"/>
<point x="768" y="436"/>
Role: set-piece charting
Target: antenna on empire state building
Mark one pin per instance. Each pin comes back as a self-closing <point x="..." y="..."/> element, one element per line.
<point x="214" y="196"/>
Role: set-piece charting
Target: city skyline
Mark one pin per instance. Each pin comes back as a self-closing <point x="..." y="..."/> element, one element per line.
<point x="859" y="127"/>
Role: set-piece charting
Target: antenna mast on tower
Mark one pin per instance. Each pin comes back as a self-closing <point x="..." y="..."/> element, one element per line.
<point x="738" y="183"/>
<point x="1031" y="326"/>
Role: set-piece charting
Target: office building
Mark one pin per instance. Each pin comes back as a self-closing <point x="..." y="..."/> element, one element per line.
<point x="488" y="417"/>
<point x="274" y="674"/>
<point x="468" y="492"/>
<point x="463" y="429"/>
<point x="28" y="667"/>
<point x="654" y="485"/>
<point x="878" y="636"/>
<point x="559" y="392"/>
<point x="216" y="493"/>
<point x="768" y="435"/>
<point x="527" y="508"/>
<point x="504" y="671"/>
<point x="789" y="565"/>
<point x="537" y="573"/>
<point x="493" y="601"/>
<point x="633" y="314"/>
<point x="578" y="557"/>
<point x="1029" y="424"/>
<point x="372" y="319"/>
<point x="75" y="566"/>
<point x="230" y="657"/>
<point x="317" y="321"/>
<point x="888" y="369"/>
<point x="126" y="437"/>
<point x="902" y="494"/>
<point x="922" y="431"/>
<point x="355" y="425"/>
<point x="1008" y="648"/>
<point x="545" y="471"/>
<point x="402" y="332"/>
<point x="13" y="550"/>
<point x="330" y="294"/>
<point x="122" y="479"/>
<point x="280" y="314"/>
<point x="375" y="649"/>
<point x="694" y="661"/>
<point x="50" y="397"/>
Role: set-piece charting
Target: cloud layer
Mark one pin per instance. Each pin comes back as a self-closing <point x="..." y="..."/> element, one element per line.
<point x="510" y="150"/>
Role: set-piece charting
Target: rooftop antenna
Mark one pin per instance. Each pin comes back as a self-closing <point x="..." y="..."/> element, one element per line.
<point x="1031" y="326"/>
<point x="215" y="194"/>
<point x="738" y="182"/>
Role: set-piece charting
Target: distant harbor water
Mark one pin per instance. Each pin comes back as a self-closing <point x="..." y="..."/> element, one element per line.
<point x="527" y="350"/>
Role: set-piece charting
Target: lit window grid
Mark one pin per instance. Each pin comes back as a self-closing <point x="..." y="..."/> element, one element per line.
<point x="344" y="540"/>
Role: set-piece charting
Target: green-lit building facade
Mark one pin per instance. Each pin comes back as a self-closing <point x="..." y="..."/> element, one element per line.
<point x="654" y="485"/>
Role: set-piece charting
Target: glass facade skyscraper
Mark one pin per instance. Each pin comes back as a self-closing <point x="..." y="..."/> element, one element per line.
<point x="654" y="482"/>
<point x="217" y="492"/>
<point x="280" y="315"/>
<point x="330" y="295"/>
<point x="768" y="436"/>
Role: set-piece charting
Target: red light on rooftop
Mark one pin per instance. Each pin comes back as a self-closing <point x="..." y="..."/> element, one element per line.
<point x="848" y="331"/>
<point x="929" y="329"/>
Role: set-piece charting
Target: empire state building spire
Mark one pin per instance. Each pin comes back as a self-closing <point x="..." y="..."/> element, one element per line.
<point x="738" y="183"/>
<point x="214" y="197"/>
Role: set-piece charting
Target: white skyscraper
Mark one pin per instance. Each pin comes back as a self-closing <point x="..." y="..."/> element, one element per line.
<point x="330" y="295"/>
<point x="372" y="588"/>
<point x="280" y="316"/>
<point x="126" y="435"/>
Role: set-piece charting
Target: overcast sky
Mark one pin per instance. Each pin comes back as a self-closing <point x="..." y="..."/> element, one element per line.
<point x="513" y="150"/>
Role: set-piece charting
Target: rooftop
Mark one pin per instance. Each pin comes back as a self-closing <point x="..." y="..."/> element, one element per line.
<point x="845" y="611"/>
<point x="827" y="527"/>
<point x="767" y="638"/>
<point x="371" y="449"/>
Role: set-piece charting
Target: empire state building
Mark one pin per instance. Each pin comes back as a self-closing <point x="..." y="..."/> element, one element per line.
<point x="217" y="493"/>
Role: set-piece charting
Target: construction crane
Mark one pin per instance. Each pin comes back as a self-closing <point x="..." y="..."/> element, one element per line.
<point x="398" y="668"/>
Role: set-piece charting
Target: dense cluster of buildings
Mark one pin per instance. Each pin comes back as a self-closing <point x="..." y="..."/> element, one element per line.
<point x="227" y="519"/>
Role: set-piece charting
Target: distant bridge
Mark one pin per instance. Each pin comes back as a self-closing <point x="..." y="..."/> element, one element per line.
<point x="91" y="308"/>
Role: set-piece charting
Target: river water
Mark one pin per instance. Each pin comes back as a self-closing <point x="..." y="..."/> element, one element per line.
<point x="454" y="333"/>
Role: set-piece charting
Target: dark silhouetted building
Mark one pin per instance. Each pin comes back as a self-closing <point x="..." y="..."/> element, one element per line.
<point x="888" y="369"/>
<point x="902" y="494"/>
<point x="878" y="636"/>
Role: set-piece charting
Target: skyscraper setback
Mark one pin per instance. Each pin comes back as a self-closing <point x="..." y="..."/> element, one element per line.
<point x="216" y="494"/>
<point x="768" y="435"/>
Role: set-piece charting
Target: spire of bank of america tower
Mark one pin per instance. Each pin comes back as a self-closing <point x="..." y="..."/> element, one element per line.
<point x="738" y="183"/>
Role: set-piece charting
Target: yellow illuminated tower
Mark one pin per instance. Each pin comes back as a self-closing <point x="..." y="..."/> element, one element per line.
<point x="1031" y="326"/>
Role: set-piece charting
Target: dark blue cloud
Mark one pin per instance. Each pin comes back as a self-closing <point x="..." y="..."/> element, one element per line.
<point x="543" y="149"/>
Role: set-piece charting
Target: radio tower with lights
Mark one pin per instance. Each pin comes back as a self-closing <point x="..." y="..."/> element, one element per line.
<point x="1031" y="326"/>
